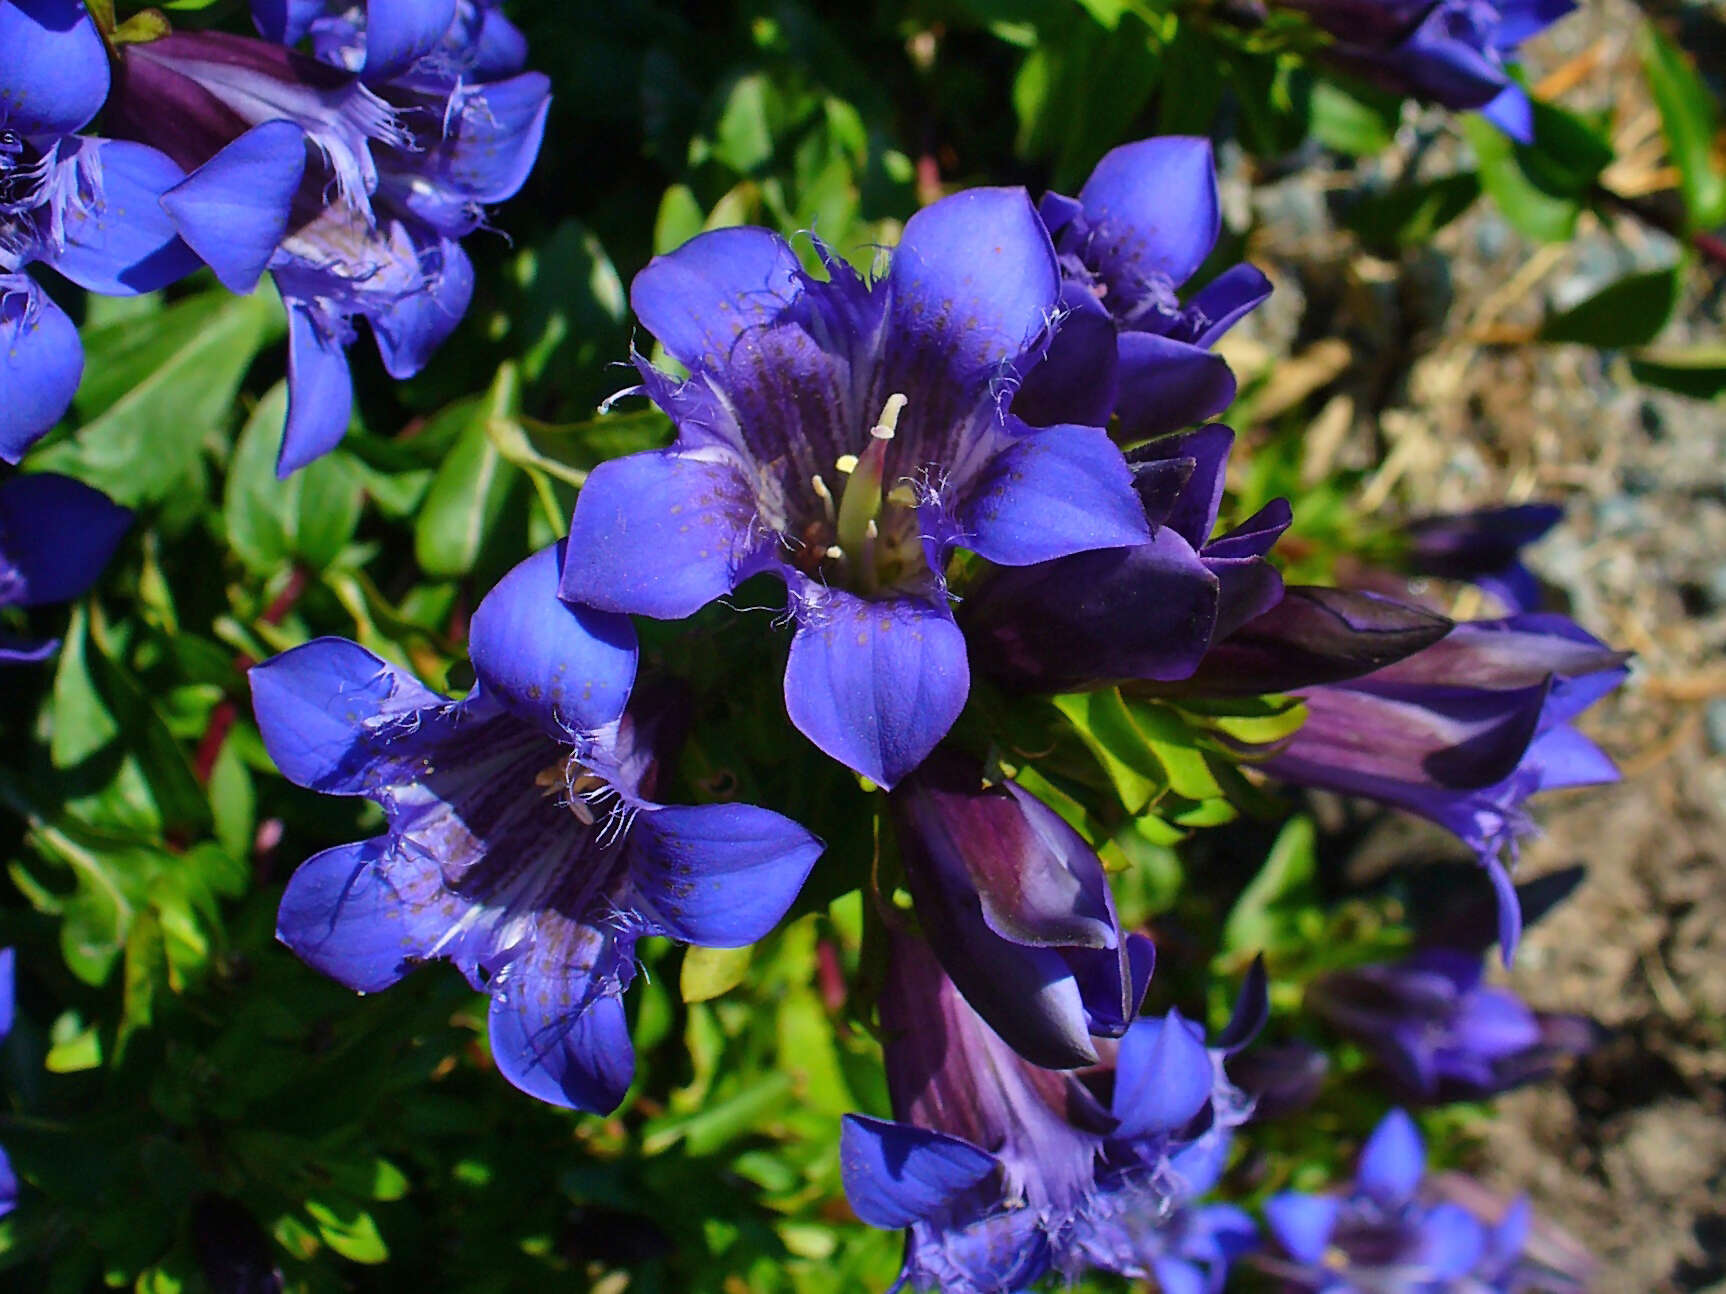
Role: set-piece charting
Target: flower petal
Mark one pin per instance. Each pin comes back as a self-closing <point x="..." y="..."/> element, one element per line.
<point x="1222" y="302"/>
<point x="41" y="364"/>
<point x="409" y="330"/>
<point x="1053" y="492"/>
<point x="233" y="210"/>
<point x="698" y="299"/>
<point x="121" y="242"/>
<point x="399" y="32"/>
<point x="896" y="1174"/>
<point x="1392" y="1161"/>
<point x="660" y="534"/>
<point x="875" y="684"/>
<point x="364" y="914"/>
<point x="1163" y="1076"/>
<point x="8" y="991"/>
<point x="557" y="1038"/>
<point x="320" y="392"/>
<point x="53" y="67"/>
<point x="1302" y="1224"/>
<point x="1167" y="384"/>
<point x="719" y="875"/>
<point x="286" y="21"/>
<point x="566" y="669"/>
<point x="1452" y="1242"/>
<point x="313" y="704"/>
<point x="1153" y="209"/>
<point x="57" y="534"/>
<point x="1075" y="381"/>
<point x="973" y="283"/>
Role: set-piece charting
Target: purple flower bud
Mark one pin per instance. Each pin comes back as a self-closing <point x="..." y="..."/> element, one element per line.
<point x="1442" y="1033"/>
<point x="1483" y="548"/>
<point x="1282" y="1079"/>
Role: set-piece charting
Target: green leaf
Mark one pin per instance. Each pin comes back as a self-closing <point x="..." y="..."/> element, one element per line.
<point x="308" y="518"/>
<point x="572" y="311"/>
<point x="1411" y="214"/>
<point x="145" y="968"/>
<point x="1255" y="923"/>
<point x="1104" y="724"/>
<point x="157" y="389"/>
<point x="1353" y="119"/>
<point x="679" y="219"/>
<point x="1691" y="121"/>
<point x="349" y="1230"/>
<point x="1542" y="187"/>
<point x="743" y="135"/>
<point x="709" y="972"/>
<point x="1698" y="371"/>
<point x="1630" y="312"/>
<point x="466" y="499"/>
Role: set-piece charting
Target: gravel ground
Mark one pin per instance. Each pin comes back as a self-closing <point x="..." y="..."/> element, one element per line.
<point x="1439" y="393"/>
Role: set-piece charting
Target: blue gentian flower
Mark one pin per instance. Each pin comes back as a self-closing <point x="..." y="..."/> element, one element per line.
<point x="1451" y="52"/>
<point x="352" y="188"/>
<point x="1390" y="1233"/>
<point x="56" y="535"/>
<point x="1019" y="912"/>
<point x="1463" y="732"/>
<point x="1146" y="611"/>
<point x="1443" y="1034"/>
<point x="845" y="436"/>
<point x="87" y="208"/>
<point x="1003" y="1171"/>
<point x="523" y="843"/>
<point x="1143" y="223"/>
<point x="1484" y="548"/>
<point x="8" y="1010"/>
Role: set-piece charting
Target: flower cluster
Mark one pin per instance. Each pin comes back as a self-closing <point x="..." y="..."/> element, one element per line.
<point x="350" y="174"/>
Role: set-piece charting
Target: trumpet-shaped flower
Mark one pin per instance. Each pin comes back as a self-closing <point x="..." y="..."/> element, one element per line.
<point x="1143" y="223"/>
<point x="522" y="844"/>
<point x="56" y="535"/>
<point x="1002" y="1171"/>
<point x="1018" y="911"/>
<point x="845" y="436"/>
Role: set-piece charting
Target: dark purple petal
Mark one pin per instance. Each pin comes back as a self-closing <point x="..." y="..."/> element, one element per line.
<point x="488" y="148"/>
<point x="122" y="242"/>
<point x="565" y="668"/>
<point x="1153" y="210"/>
<point x="53" y="67"/>
<point x="409" y="330"/>
<point x="1252" y="1009"/>
<point x="1144" y="612"/>
<point x="400" y="32"/>
<point x="1225" y="300"/>
<point x="8" y="1185"/>
<point x="660" y="534"/>
<point x="1463" y="546"/>
<point x="1255" y="536"/>
<point x="896" y="1174"/>
<point x="973" y="281"/>
<point x="1112" y="981"/>
<point x="1057" y="491"/>
<point x="41" y="364"/>
<point x="320" y="392"/>
<point x="1194" y="514"/>
<point x="1502" y="654"/>
<point x="233" y="210"/>
<point x="719" y="875"/>
<point x="1165" y="385"/>
<point x="1302" y="1224"/>
<point x="8" y="991"/>
<point x="286" y="21"/>
<point x="1520" y="20"/>
<point x="313" y="705"/>
<point x="699" y="299"/>
<point x="1163" y="1076"/>
<point x="363" y="914"/>
<point x="1075" y="381"/>
<point x="558" y="1037"/>
<point x="875" y="684"/>
<point x="1392" y="1161"/>
<point x="57" y="534"/>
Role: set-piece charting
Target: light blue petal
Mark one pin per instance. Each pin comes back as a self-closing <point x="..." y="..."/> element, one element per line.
<point x="41" y="364"/>
<point x="53" y="67"/>
<point x="233" y="210"/>
<point x="320" y="392"/>
<point x="1153" y="209"/>
<point x="400" y="32"/>
<point x="557" y="1038"/>
<point x="698" y="299"/>
<point x="1302" y="1224"/>
<point x="1392" y="1161"/>
<point x="1163" y="1077"/>
<point x="896" y="1174"/>
<point x="1054" y="492"/>
<point x="119" y="241"/>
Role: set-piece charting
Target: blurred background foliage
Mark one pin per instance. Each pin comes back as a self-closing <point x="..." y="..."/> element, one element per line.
<point x="191" y="1108"/>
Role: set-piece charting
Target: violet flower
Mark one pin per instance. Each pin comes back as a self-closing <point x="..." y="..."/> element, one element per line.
<point x="1143" y="223"/>
<point x="1443" y="1034"/>
<point x="56" y="535"/>
<point x="844" y="436"/>
<point x="522" y="844"/>
<point x="86" y="208"/>
<point x="1144" y="611"/>
<point x="353" y="188"/>
<point x="1463" y="732"/>
<point x="1451" y="52"/>
<point x="1389" y="1232"/>
<point x="1484" y="548"/>
<point x="8" y="1012"/>
<point x="1002" y="1171"/>
<point x="1018" y="911"/>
